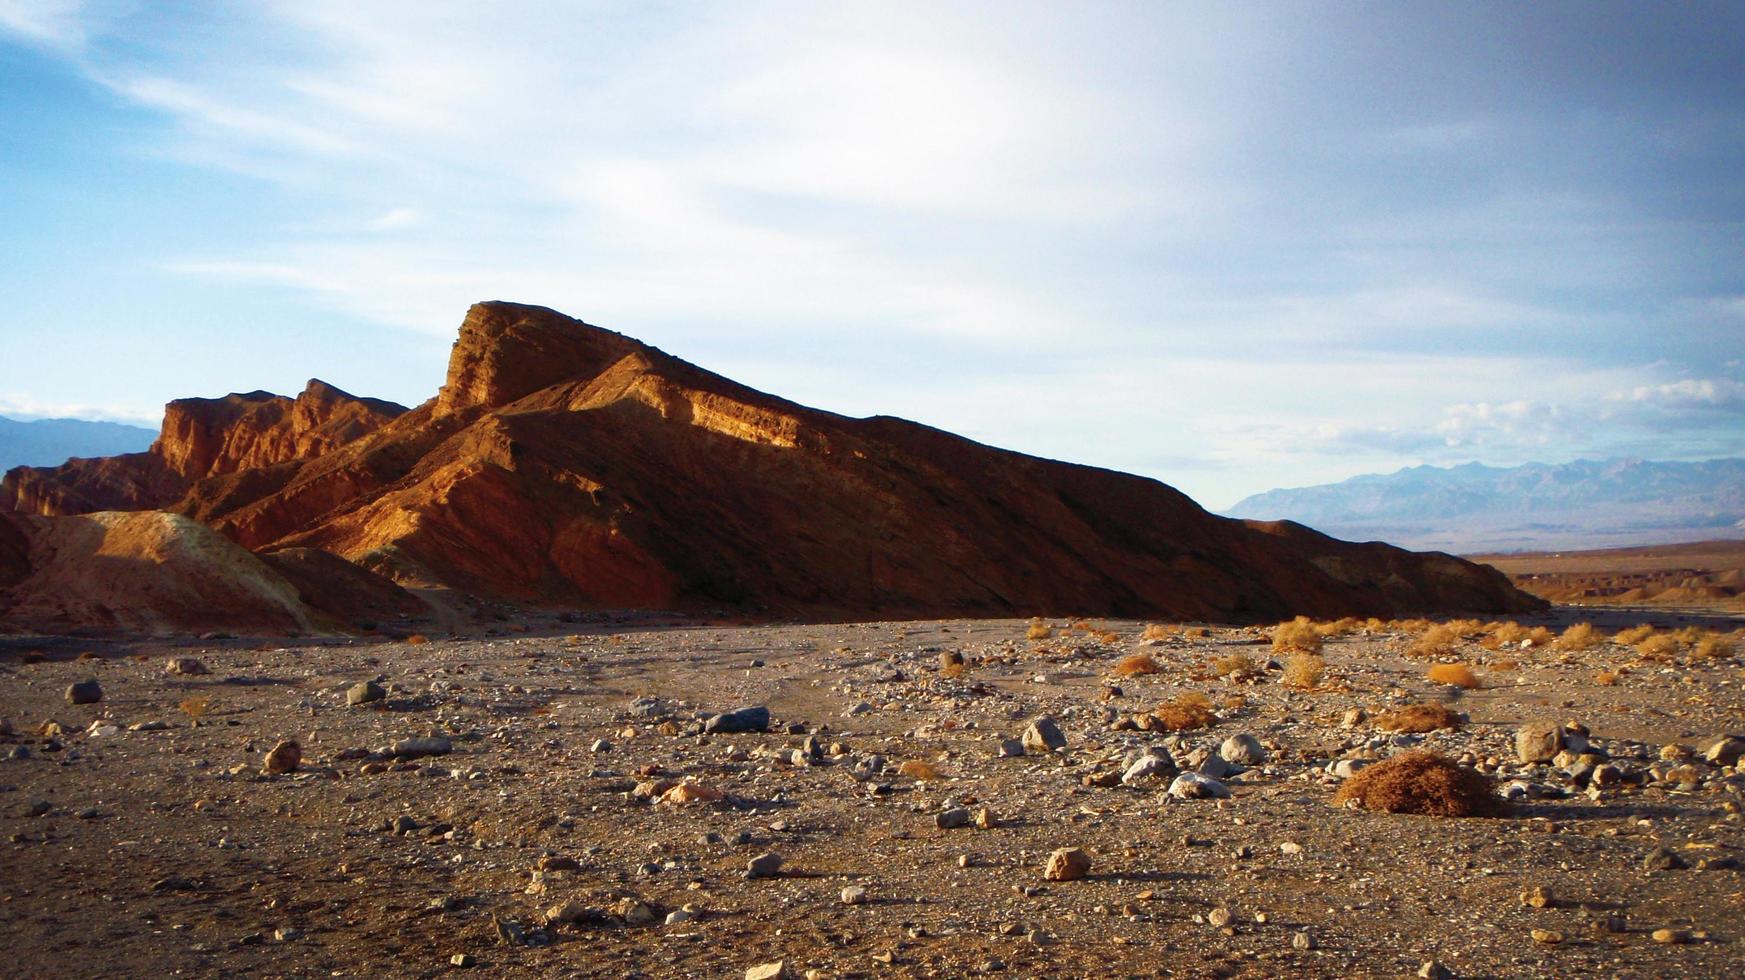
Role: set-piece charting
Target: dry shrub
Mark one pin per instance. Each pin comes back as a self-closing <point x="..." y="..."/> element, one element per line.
<point x="1504" y="664"/>
<point x="1633" y="635"/>
<point x="1039" y="630"/>
<point x="1412" y="626"/>
<point x="1581" y="636"/>
<point x="1538" y="636"/>
<point x="953" y="670"/>
<point x="1660" y="646"/>
<point x="1422" y="782"/>
<point x="1195" y="632"/>
<point x="1084" y="626"/>
<point x="1297" y="635"/>
<point x="1340" y="627"/>
<point x="1505" y="634"/>
<point x="1437" y="641"/>
<point x="1460" y="675"/>
<point x="1607" y="678"/>
<point x="918" y="770"/>
<point x="1184" y="712"/>
<point x="195" y="707"/>
<point x="1135" y="664"/>
<point x="1236" y="666"/>
<point x="1715" y="646"/>
<point x="1157" y="631"/>
<point x="417" y="639"/>
<point x="1428" y="717"/>
<point x="1305" y="671"/>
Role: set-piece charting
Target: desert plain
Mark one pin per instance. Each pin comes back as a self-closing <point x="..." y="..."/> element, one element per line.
<point x="547" y="796"/>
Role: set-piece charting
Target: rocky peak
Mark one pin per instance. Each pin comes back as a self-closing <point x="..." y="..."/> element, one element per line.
<point x="507" y="351"/>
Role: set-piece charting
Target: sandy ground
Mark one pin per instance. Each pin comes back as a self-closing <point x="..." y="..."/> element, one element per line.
<point x="169" y="852"/>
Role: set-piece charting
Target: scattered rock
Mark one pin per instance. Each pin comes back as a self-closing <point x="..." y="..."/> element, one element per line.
<point x="1193" y="786"/>
<point x="854" y="895"/>
<point x="1549" y="937"/>
<point x="1011" y="748"/>
<point x="1670" y="936"/>
<point x="953" y="818"/>
<point x="1726" y="752"/>
<point x="769" y="971"/>
<point x="285" y="757"/>
<point x="364" y="692"/>
<point x="1664" y="859"/>
<point x="766" y="865"/>
<point x="1043" y="735"/>
<point x="749" y="719"/>
<point x="1067" y="864"/>
<point x="186" y="666"/>
<point x="1243" y="750"/>
<point x="85" y="692"/>
<point x="1433" y="970"/>
<point x="1538" y="741"/>
<point x="419" y="747"/>
<point x="1149" y="768"/>
<point x="462" y="960"/>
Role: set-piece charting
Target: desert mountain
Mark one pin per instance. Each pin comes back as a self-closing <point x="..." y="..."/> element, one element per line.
<point x="562" y="463"/>
<point x="237" y="438"/>
<point x="150" y="571"/>
<point x="1584" y="504"/>
<point x="49" y="442"/>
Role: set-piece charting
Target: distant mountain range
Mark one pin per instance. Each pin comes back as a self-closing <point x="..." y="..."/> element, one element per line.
<point x="1472" y="508"/>
<point x="51" y="442"/>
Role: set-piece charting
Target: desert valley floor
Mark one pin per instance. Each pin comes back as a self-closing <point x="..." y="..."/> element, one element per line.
<point x="506" y="804"/>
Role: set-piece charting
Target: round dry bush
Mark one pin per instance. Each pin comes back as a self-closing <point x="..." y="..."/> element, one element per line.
<point x="1422" y="782"/>
<point x="1299" y="634"/>
<point x="1429" y="717"/>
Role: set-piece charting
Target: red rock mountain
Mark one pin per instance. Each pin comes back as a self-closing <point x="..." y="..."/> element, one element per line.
<point x="562" y="463"/>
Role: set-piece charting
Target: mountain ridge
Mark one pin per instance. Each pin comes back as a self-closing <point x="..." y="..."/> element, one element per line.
<point x="1586" y="503"/>
<point x="564" y="464"/>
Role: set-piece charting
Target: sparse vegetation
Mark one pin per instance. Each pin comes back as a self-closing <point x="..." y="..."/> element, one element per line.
<point x="1457" y="674"/>
<point x="1157" y="631"/>
<point x="1715" y="646"/>
<point x="918" y="770"/>
<point x="1634" y="635"/>
<point x="195" y="707"/>
<point x="1298" y="635"/>
<point x="1581" y="636"/>
<point x="1425" y="783"/>
<point x="1660" y="646"/>
<point x="1236" y="666"/>
<point x="1185" y="712"/>
<point x="417" y="639"/>
<point x="1304" y="671"/>
<point x="1437" y="641"/>
<point x="1039" y="630"/>
<point x="1607" y="678"/>
<point x="1136" y="664"/>
<point x="1417" y="718"/>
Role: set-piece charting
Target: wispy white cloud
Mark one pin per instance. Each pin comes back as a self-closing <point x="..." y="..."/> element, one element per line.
<point x="20" y="406"/>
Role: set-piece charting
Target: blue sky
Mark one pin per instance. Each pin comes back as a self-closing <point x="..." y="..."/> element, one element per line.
<point x="1231" y="246"/>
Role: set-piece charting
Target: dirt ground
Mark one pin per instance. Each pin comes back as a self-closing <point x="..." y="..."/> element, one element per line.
<point x="166" y="850"/>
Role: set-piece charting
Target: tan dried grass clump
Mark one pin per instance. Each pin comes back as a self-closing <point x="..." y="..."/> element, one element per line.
<point x="1039" y="630"/>
<point x="1505" y="634"/>
<point x="1185" y="712"/>
<point x="1297" y="635"/>
<point x="1633" y="635"/>
<point x="1607" y="678"/>
<point x="1341" y="627"/>
<point x="953" y="670"/>
<point x="918" y="770"/>
<point x="1715" y="646"/>
<point x="1422" y="782"/>
<point x="1236" y="666"/>
<point x="1538" y="636"/>
<point x="1157" y="631"/>
<point x="1581" y="636"/>
<point x="1428" y="717"/>
<point x="1437" y="641"/>
<point x="1135" y="664"/>
<point x="195" y="707"/>
<point x="1460" y="675"/>
<point x="1660" y="646"/>
<point x="417" y="639"/>
<point x="1304" y="671"/>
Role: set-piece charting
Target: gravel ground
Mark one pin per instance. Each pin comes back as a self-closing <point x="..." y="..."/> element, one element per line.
<point x="168" y="850"/>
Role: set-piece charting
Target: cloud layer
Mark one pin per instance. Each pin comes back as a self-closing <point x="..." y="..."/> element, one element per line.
<point x="1230" y="247"/>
